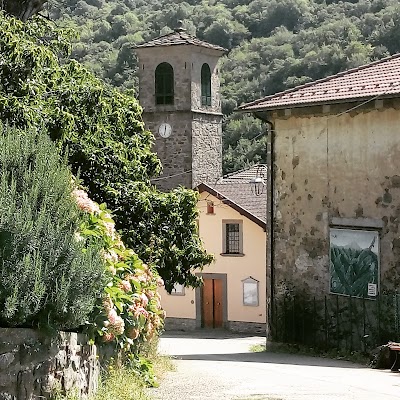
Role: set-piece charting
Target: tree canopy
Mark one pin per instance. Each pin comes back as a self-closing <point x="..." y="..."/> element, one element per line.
<point x="101" y="131"/>
<point x="274" y="44"/>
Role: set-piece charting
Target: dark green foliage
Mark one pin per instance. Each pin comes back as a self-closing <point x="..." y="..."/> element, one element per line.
<point x="47" y="277"/>
<point x="171" y="242"/>
<point x="107" y="144"/>
<point x="274" y="44"/>
<point x="244" y="142"/>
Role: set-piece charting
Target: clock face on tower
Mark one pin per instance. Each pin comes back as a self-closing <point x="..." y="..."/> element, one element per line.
<point x="165" y="130"/>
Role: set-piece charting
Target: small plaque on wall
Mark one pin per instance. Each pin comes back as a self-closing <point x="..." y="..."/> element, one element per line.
<point x="372" y="289"/>
<point x="250" y="292"/>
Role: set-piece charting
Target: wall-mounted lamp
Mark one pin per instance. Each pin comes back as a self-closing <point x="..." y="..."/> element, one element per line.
<point x="258" y="184"/>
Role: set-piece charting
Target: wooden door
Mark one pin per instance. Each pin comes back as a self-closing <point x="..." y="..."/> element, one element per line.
<point x="212" y="304"/>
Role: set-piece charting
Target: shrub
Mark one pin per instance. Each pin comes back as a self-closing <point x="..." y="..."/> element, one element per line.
<point x="48" y="278"/>
<point x="129" y="311"/>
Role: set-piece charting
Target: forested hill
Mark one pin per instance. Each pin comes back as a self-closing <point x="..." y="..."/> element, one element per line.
<point x="274" y="44"/>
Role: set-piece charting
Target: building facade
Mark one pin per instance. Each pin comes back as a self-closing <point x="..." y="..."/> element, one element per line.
<point x="335" y="210"/>
<point x="233" y="296"/>
<point x="180" y="94"/>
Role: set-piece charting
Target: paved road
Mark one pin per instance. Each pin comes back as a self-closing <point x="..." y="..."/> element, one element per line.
<point x="222" y="368"/>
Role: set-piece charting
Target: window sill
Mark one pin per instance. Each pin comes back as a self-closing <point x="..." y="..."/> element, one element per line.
<point x="232" y="254"/>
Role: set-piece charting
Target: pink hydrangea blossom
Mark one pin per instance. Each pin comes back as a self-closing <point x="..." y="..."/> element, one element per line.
<point x="140" y="311"/>
<point x="125" y="286"/>
<point x="112" y="316"/>
<point x="119" y="326"/>
<point x="149" y="294"/>
<point x="150" y="331"/>
<point x="108" y="337"/>
<point x="133" y="333"/>
<point x="160" y="281"/>
<point x="84" y="202"/>
<point x="144" y="300"/>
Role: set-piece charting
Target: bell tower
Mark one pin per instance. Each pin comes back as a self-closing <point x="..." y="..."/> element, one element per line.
<point x="180" y="95"/>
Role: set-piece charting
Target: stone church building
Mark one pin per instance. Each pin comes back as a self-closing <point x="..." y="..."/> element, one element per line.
<point x="179" y="93"/>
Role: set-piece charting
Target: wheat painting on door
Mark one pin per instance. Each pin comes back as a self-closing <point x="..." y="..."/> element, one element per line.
<point x="354" y="260"/>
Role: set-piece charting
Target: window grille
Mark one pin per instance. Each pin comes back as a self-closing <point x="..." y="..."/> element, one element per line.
<point x="232" y="239"/>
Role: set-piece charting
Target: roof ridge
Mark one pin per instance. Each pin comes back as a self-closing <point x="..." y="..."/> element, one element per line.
<point x="242" y="170"/>
<point x="321" y="80"/>
<point x="179" y="34"/>
<point x="232" y="203"/>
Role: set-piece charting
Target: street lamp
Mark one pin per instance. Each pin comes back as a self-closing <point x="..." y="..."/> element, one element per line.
<point x="258" y="183"/>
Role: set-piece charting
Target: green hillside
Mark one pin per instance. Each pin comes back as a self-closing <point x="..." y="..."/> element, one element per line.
<point x="274" y="45"/>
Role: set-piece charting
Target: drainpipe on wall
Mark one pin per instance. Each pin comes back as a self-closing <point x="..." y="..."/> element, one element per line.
<point x="270" y="285"/>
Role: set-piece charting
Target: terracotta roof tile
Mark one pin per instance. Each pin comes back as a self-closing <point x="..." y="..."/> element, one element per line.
<point x="237" y="188"/>
<point x="379" y="78"/>
<point x="178" y="37"/>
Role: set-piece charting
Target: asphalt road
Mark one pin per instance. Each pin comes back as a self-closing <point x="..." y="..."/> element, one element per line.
<point x="221" y="367"/>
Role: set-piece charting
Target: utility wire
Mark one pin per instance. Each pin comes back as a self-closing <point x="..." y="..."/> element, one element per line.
<point x="332" y="116"/>
<point x="170" y="176"/>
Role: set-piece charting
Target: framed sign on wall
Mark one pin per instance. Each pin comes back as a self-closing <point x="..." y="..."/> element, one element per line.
<point x="354" y="262"/>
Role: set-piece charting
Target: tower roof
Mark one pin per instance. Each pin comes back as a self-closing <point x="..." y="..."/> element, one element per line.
<point x="178" y="38"/>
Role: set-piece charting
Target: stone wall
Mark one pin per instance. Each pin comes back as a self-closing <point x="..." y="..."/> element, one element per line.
<point x="32" y="364"/>
<point x="175" y="152"/>
<point x="180" y="324"/>
<point x="206" y="149"/>
<point x="193" y="152"/>
<point x="334" y="172"/>
<point x="188" y="324"/>
<point x="256" y="328"/>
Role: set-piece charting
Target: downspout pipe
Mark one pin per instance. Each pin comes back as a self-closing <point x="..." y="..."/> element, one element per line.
<point x="270" y="275"/>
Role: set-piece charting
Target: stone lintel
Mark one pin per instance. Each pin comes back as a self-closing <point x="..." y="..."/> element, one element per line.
<point x="357" y="222"/>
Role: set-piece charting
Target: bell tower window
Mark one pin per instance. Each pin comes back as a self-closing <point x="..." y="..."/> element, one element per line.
<point x="205" y="85"/>
<point x="164" y="84"/>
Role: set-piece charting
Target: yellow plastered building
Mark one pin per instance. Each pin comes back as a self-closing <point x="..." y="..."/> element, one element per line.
<point x="232" y="227"/>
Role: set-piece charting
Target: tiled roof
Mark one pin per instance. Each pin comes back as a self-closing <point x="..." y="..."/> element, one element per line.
<point x="237" y="190"/>
<point x="379" y="78"/>
<point x="178" y="37"/>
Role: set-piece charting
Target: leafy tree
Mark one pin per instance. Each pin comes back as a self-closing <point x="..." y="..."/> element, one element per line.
<point x="244" y="144"/>
<point x="274" y="44"/>
<point x="102" y="131"/>
<point x="22" y="9"/>
<point x="48" y="277"/>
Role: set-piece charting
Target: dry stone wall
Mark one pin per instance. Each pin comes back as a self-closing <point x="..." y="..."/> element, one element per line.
<point x="33" y="365"/>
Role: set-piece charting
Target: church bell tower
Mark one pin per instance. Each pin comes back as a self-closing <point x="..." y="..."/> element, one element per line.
<point x="180" y="95"/>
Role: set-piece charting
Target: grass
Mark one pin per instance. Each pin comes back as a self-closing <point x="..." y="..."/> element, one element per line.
<point x="258" y="348"/>
<point x="123" y="383"/>
<point x="354" y="356"/>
